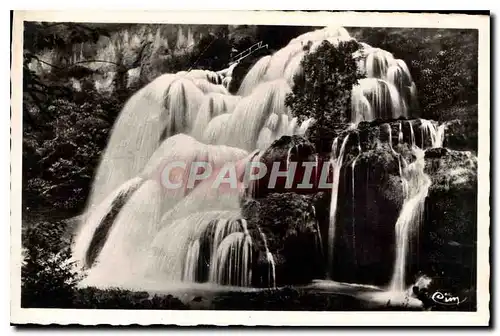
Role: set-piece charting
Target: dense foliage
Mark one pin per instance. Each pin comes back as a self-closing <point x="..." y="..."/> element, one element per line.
<point x="323" y="90"/>
<point x="47" y="276"/>
<point x="61" y="154"/>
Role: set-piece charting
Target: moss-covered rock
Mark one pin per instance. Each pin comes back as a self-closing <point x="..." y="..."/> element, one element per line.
<point x="285" y="224"/>
<point x="449" y="235"/>
<point x="370" y="199"/>
<point x="461" y="135"/>
<point x="282" y="153"/>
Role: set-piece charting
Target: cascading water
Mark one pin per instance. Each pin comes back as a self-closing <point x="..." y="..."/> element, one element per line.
<point x="400" y="134"/>
<point x="375" y="98"/>
<point x="213" y="105"/>
<point x="250" y="115"/>
<point x="82" y="246"/>
<point x="271" y="274"/>
<point x="389" y="135"/>
<point x="336" y="165"/>
<point x="436" y="134"/>
<point x="412" y="134"/>
<point x="231" y="265"/>
<point x="172" y="104"/>
<point x="353" y="200"/>
<point x="410" y="217"/>
<point x="191" y="263"/>
<point x="196" y="234"/>
<point x="254" y="76"/>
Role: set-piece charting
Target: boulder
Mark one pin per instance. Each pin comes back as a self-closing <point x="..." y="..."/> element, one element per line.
<point x="284" y="152"/>
<point x="449" y="235"/>
<point x="461" y="135"/>
<point x="285" y="225"/>
<point x="370" y="199"/>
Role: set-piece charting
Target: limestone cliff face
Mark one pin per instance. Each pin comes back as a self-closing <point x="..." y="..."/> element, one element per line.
<point x="128" y="55"/>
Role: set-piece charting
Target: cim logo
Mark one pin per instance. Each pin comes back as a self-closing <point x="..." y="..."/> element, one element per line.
<point x="447" y="299"/>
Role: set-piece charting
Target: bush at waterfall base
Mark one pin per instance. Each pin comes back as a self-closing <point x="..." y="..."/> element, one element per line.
<point x="323" y="90"/>
<point x="48" y="279"/>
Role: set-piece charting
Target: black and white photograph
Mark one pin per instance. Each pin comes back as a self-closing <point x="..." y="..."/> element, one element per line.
<point x="252" y="163"/>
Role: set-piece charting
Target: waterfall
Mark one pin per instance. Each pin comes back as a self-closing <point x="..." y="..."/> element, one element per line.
<point x="223" y="228"/>
<point x="375" y="98"/>
<point x="191" y="263"/>
<point x="171" y="104"/>
<point x="271" y="272"/>
<point x="231" y="265"/>
<point x="254" y="76"/>
<point x="135" y="227"/>
<point x="320" y="240"/>
<point x="412" y="135"/>
<point x="214" y="233"/>
<point x="336" y="164"/>
<point x="389" y="131"/>
<point x="292" y="126"/>
<point x="353" y="200"/>
<point x="400" y="134"/>
<point x="377" y="63"/>
<point x="288" y="158"/>
<point x="410" y="217"/>
<point x="214" y="131"/>
<point x="353" y="214"/>
<point x="304" y="126"/>
<point x="436" y="134"/>
<point x="208" y="87"/>
<point x="95" y="219"/>
<point x="280" y="60"/>
<point x="251" y="113"/>
<point x="212" y="106"/>
<point x="293" y="68"/>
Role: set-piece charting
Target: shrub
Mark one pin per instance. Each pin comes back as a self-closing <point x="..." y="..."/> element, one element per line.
<point x="47" y="276"/>
<point x="323" y="90"/>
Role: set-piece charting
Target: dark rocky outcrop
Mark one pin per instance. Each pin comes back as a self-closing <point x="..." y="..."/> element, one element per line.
<point x="461" y="135"/>
<point x="449" y="235"/>
<point x="288" y="222"/>
<point x="294" y="149"/>
<point x="367" y="209"/>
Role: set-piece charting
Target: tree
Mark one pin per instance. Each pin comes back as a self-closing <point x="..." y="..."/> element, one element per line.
<point x="322" y="90"/>
<point x="448" y="78"/>
<point x="59" y="160"/>
<point x="212" y="51"/>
